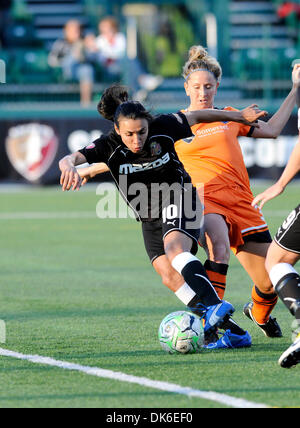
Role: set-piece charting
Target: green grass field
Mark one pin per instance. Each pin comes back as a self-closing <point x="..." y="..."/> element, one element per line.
<point x="81" y="290"/>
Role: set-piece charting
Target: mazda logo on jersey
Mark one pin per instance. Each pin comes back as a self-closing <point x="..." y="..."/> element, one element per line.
<point x="132" y="168"/>
<point x="31" y="149"/>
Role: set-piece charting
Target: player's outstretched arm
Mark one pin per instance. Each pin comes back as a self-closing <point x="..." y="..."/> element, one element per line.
<point x="292" y="168"/>
<point x="91" y="171"/>
<point x="274" y="126"/>
<point x="248" y="116"/>
<point x="69" y="175"/>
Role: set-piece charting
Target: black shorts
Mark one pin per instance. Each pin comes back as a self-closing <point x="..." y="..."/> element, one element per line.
<point x="175" y="217"/>
<point x="288" y="235"/>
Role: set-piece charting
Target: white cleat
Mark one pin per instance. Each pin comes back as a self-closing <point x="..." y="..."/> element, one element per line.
<point x="291" y="357"/>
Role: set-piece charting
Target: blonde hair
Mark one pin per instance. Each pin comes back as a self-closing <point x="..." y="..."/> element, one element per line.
<point x="199" y="60"/>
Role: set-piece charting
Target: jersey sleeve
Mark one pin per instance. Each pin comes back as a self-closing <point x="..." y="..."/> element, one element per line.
<point x="175" y="125"/>
<point x="245" y="130"/>
<point x="98" y="151"/>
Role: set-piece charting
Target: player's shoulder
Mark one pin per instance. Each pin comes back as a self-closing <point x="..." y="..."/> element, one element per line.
<point x="177" y="116"/>
<point x="167" y="120"/>
<point x="108" y="142"/>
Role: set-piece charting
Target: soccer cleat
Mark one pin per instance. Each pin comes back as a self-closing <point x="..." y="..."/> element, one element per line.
<point x="291" y="357"/>
<point x="270" y="328"/>
<point x="232" y="341"/>
<point x="215" y="315"/>
<point x="211" y="336"/>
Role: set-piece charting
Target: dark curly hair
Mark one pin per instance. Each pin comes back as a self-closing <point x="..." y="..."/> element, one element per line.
<point x="115" y="103"/>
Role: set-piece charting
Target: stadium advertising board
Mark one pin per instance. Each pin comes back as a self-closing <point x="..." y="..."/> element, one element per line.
<point x="30" y="150"/>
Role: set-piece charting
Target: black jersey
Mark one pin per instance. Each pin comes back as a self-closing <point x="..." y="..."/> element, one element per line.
<point x="140" y="174"/>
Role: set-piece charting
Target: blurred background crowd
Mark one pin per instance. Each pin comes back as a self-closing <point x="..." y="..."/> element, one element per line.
<point x="59" y="56"/>
<point x="144" y="44"/>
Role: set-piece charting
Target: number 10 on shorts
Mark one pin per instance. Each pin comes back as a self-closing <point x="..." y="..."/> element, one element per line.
<point x="170" y="213"/>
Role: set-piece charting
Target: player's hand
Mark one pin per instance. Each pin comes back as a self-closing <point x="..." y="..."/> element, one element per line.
<point x="85" y="176"/>
<point x="267" y="195"/>
<point x="70" y="179"/>
<point x="251" y="114"/>
<point x="296" y="75"/>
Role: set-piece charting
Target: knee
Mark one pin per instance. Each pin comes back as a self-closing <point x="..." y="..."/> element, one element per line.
<point x="277" y="256"/>
<point x="172" y="250"/>
<point x="264" y="283"/>
<point x="220" y="253"/>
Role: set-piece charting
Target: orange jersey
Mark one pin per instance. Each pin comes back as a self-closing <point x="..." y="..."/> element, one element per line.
<point x="214" y="160"/>
<point x="214" y="156"/>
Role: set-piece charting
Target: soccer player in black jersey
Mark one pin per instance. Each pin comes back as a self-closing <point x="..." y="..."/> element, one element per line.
<point x="141" y="156"/>
<point x="284" y="252"/>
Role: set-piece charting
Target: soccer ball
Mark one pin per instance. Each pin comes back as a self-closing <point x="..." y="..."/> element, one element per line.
<point x="181" y="333"/>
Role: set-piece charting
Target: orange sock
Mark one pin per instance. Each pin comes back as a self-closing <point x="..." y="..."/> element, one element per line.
<point x="263" y="305"/>
<point x="217" y="273"/>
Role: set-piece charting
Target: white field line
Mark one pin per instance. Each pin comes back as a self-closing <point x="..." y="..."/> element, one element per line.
<point x="39" y="215"/>
<point x="123" y="377"/>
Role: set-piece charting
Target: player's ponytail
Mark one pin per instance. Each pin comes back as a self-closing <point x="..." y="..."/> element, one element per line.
<point x="115" y="103"/>
<point x="111" y="99"/>
<point x="199" y="59"/>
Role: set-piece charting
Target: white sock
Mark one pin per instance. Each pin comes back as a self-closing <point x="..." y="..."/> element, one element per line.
<point x="185" y="294"/>
<point x="182" y="260"/>
<point x="279" y="271"/>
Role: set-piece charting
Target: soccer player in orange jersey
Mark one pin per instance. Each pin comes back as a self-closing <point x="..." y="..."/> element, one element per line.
<point x="214" y="160"/>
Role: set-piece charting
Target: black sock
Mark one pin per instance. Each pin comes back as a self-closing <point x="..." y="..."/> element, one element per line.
<point x="288" y="289"/>
<point x="233" y="327"/>
<point x="195" y="276"/>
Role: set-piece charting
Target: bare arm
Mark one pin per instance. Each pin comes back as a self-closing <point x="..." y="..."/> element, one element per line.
<point x="91" y="171"/>
<point x="248" y="116"/>
<point x="274" y="127"/>
<point x="292" y="168"/>
<point x="69" y="175"/>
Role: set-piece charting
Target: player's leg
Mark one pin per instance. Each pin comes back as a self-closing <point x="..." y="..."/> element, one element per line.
<point x="252" y="256"/>
<point x="218" y="248"/>
<point x="154" y="244"/>
<point x="282" y="256"/>
<point x="179" y="247"/>
<point x="286" y="280"/>
<point x="169" y="276"/>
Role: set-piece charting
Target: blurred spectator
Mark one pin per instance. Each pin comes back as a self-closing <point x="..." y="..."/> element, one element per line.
<point x="109" y="50"/>
<point x="71" y="56"/>
<point x="288" y="8"/>
<point x="5" y="6"/>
